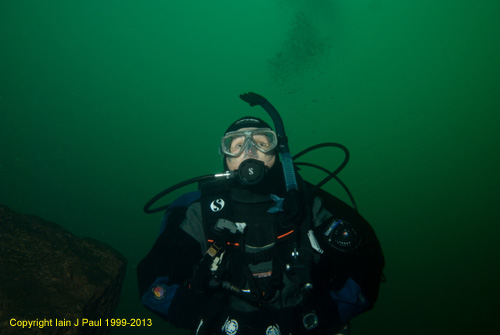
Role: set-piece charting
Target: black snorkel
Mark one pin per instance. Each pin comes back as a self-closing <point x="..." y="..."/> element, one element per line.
<point x="286" y="158"/>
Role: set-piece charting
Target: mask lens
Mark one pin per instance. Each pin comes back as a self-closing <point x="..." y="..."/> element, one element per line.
<point x="235" y="142"/>
<point x="264" y="140"/>
<point x="233" y="145"/>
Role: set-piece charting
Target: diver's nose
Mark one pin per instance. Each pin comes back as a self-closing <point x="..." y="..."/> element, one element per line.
<point x="250" y="151"/>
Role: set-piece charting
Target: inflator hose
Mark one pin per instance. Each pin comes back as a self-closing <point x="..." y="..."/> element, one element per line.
<point x="169" y="190"/>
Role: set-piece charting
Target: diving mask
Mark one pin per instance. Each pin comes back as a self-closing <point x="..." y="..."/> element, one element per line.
<point x="236" y="142"/>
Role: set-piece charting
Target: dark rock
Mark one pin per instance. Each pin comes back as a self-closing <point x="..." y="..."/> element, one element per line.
<point x="48" y="274"/>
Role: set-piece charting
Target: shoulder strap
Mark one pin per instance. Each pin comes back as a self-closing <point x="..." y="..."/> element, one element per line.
<point x="174" y="214"/>
<point x="215" y="204"/>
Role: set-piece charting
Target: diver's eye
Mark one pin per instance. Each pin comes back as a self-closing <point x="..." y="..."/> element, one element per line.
<point x="236" y="148"/>
<point x="261" y="141"/>
<point x="237" y="145"/>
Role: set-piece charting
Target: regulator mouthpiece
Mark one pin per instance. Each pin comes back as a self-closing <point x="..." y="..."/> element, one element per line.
<point x="251" y="172"/>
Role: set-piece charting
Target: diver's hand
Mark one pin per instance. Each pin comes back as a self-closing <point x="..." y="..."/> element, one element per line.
<point x="253" y="98"/>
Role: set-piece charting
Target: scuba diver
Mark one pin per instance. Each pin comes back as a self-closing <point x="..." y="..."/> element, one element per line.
<point x="258" y="249"/>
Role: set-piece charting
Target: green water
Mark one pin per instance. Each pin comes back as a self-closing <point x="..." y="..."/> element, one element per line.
<point x="104" y="103"/>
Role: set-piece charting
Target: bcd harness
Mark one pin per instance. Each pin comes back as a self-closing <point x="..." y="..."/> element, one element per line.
<point x="254" y="260"/>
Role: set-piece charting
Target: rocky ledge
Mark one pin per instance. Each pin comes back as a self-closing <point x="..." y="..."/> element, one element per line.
<point x="52" y="282"/>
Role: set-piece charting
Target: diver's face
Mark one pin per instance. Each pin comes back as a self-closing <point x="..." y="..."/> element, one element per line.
<point x="250" y="151"/>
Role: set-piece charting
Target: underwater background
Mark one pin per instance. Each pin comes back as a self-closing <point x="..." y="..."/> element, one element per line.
<point x="105" y="103"/>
